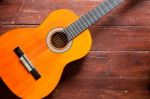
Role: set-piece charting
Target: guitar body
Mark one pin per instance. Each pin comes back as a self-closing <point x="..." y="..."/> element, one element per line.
<point x="48" y="63"/>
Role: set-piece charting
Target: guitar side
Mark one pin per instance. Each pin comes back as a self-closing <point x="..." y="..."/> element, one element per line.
<point x="49" y="64"/>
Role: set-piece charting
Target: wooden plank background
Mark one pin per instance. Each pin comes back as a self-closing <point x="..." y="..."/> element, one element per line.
<point x="118" y="65"/>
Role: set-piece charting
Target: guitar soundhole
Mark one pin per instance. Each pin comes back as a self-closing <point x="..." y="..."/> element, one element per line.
<point x="59" y="40"/>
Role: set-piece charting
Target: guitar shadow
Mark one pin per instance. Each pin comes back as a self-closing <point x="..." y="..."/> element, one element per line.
<point x="148" y="86"/>
<point x="5" y="93"/>
<point x="70" y="71"/>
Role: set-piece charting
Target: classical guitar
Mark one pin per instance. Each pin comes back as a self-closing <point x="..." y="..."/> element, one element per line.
<point x="33" y="59"/>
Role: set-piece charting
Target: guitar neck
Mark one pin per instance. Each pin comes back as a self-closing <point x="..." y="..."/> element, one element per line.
<point x="89" y="18"/>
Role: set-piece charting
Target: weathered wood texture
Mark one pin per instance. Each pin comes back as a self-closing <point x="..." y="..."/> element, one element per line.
<point x="118" y="65"/>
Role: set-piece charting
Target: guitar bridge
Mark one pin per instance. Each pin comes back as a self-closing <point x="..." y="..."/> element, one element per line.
<point x="27" y="63"/>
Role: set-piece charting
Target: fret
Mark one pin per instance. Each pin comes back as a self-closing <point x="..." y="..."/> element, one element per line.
<point x="71" y="31"/>
<point x="110" y="4"/>
<point x="79" y="24"/>
<point x="68" y="33"/>
<point x="89" y="18"/>
<point x="86" y="20"/>
<point x="97" y="14"/>
<point x="78" y="27"/>
<point x="75" y="29"/>
<point x="92" y="13"/>
<point x="107" y="5"/>
<point x="105" y="8"/>
<point x="114" y="1"/>
<point x="100" y="10"/>
<point x="83" y="23"/>
<point x="96" y="11"/>
<point x="92" y="17"/>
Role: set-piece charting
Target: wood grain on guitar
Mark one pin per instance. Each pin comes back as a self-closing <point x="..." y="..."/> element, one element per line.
<point x="117" y="65"/>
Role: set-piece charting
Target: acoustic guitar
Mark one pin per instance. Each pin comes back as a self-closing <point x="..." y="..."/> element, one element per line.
<point x="32" y="59"/>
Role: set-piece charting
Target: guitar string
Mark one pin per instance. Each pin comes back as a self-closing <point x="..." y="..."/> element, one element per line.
<point x="71" y="27"/>
<point x="98" y="16"/>
<point x="83" y="19"/>
<point x="114" y="2"/>
<point x="94" y="16"/>
<point x="105" y="9"/>
<point x="72" y="30"/>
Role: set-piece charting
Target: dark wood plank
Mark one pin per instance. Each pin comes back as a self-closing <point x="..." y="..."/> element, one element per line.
<point x="103" y="94"/>
<point x="34" y="12"/>
<point x="97" y="88"/>
<point x="8" y="10"/>
<point x="108" y="73"/>
<point x="127" y="38"/>
<point x="118" y="65"/>
<point x="114" y="64"/>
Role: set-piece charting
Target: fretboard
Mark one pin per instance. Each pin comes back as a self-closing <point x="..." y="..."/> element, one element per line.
<point x="89" y="18"/>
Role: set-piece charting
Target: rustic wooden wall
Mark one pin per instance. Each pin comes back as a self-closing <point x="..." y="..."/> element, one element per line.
<point x="118" y="65"/>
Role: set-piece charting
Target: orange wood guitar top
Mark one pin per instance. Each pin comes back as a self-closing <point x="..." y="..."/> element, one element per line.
<point x="50" y="65"/>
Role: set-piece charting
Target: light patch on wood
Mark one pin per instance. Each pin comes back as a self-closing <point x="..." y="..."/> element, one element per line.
<point x="32" y="11"/>
<point x="13" y="21"/>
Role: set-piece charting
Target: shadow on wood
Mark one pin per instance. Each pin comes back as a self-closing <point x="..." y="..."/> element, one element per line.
<point x="70" y="71"/>
<point x="5" y="92"/>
